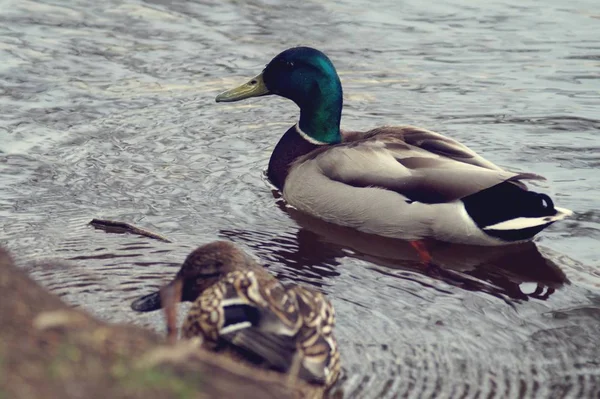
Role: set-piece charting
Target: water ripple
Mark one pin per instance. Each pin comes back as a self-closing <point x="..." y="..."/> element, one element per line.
<point x="107" y="111"/>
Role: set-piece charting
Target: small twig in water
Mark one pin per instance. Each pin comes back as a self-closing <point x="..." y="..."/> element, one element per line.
<point x="111" y="226"/>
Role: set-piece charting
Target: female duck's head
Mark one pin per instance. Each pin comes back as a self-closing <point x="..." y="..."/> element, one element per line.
<point x="202" y="268"/>
<point x="307" y="77"/>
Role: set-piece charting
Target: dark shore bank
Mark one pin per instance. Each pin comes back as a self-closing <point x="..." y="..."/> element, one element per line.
<point x="50" y="350"/>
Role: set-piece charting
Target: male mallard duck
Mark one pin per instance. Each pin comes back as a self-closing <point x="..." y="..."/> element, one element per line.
<point x="403" y="182"/>
<point x="238" y="304"/>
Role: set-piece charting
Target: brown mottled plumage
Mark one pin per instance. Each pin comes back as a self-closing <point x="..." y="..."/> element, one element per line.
<point x="239" y="305"/>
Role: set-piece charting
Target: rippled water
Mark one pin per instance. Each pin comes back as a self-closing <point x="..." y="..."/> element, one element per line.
<point x="107" y="110"/>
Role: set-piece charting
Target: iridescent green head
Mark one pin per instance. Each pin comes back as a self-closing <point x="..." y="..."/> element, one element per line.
<point x="307" y="77"/>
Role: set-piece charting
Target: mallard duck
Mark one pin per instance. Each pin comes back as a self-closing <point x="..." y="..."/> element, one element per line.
<point x="399" y="181"/>
<point x="239" y="305"/>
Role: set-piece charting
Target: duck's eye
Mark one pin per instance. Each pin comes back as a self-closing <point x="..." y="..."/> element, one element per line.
<point x="211" y="270"/>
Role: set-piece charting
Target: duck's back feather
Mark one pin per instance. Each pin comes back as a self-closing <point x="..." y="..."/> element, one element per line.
<point x="425" y="139"/>
<point x="418" y="164"/>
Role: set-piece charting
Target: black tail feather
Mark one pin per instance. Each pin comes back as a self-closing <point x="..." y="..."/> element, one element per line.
<point x="507" y="201"/>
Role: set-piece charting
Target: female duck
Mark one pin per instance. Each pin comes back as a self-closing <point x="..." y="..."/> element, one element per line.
<point x="239" y="306"/>
<point x="403" y="182"/>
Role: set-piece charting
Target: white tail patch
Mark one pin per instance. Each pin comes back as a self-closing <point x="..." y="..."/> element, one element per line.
<point x="525" y="222"/>
<point x="562" y="211"/>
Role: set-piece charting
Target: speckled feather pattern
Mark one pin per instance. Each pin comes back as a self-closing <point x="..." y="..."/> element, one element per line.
<point x="301" y="314"/>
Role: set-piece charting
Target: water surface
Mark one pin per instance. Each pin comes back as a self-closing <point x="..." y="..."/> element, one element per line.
<point x="107" y="111"/>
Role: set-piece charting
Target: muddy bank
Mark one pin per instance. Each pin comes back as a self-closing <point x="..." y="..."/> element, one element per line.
<point x="48" y="349"/>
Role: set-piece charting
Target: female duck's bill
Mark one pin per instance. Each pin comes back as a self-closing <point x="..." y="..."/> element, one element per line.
<point x="147" y="303"/>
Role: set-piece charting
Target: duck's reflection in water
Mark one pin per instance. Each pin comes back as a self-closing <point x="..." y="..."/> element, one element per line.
<point x="516" y="271"/>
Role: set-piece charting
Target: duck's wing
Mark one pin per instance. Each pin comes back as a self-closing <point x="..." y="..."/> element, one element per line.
<point x="427" y="140"/>
<point x="420" y="165"/>
<point x="258" y="316"/>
